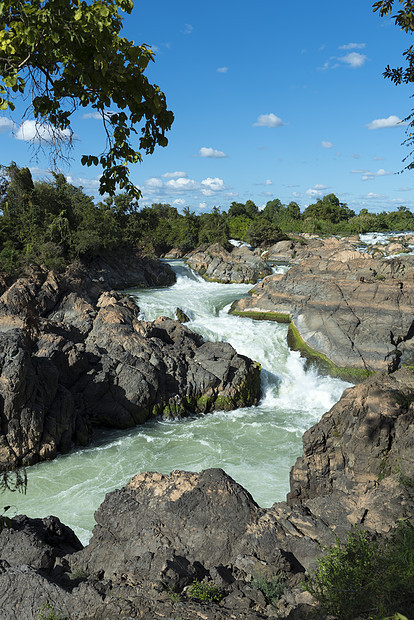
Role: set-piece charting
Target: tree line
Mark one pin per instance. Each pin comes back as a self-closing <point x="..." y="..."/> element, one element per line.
<point x="53" y="223"/>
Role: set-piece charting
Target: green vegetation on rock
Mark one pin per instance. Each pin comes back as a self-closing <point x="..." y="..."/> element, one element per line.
<point x="278" y="317"/>
<point x="271" y="586"/>
<point x="366" y="578"/>
<point x="204" y="591"/>
<point x="296" y="343"/>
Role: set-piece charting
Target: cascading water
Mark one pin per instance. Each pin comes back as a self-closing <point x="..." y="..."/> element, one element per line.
<point x="256" y="445"/>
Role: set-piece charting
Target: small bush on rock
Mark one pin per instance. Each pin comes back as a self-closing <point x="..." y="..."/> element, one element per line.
<point x="365" y="578"/>
<point x="271" y="586"/>
<point x="205" y="591"/>
<point x="49" y="612"/>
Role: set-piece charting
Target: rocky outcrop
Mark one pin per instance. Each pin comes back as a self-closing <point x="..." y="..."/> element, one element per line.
<point x="357" y="460"/>
<point x="352" y="315"/>
<point x="74" y="356"/>
<point x="216" y="264"/>
<point x="159" y="533"/>
<point x="301" y="247"/>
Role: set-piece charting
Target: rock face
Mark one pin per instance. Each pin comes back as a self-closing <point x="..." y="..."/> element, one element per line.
<point x="356" y="459"/>
<point x="160" y="532"/>
<point x="74" y="355"/>
<point x="356" y="314"/>
<point x="216" y="264"/>
<point x="301" y="247"/>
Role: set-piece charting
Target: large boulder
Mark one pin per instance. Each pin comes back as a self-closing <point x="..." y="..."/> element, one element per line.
<point x="237" y="265"/>
<point x="300" y="247"/>
<point x="357" y="461"/>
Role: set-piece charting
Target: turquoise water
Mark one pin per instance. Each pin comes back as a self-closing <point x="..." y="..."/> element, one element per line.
<point x="256" y="445"/>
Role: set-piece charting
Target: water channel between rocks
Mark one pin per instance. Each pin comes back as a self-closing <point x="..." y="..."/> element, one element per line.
<point x="256" y="445"/>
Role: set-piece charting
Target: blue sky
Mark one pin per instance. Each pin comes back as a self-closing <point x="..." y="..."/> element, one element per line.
<point x="271" y="100"/>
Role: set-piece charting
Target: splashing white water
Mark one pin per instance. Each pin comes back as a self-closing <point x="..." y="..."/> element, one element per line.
<point x="256" y="445"/>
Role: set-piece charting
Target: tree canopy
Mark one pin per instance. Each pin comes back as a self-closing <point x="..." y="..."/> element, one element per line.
<point x="62" y="55"/>
<point x="329" y="208"/>
<point x="404" y="18"/>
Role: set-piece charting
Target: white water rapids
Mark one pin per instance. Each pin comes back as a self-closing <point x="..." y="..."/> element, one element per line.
<point x="256" y="445"/>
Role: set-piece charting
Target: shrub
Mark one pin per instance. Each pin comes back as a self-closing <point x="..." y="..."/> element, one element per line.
<point x="271" y="586"/>
<point x="49" y="612"/>
<point x="205" y="591"/>
<point x="365" y="578"/>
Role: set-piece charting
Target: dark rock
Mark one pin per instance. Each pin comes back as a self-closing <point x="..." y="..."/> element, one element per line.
<point x="37" y="542"/>
<point x="217" y="264"/>
<point x="181" y="316"/>
<point x="356" y="459"/>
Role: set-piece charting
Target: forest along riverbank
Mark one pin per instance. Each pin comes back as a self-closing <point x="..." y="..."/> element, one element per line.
<point x="256" y="446"/>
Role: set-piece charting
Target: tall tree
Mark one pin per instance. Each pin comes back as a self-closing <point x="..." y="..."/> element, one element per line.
<point x="62" y="55"/>
<point x="404" y="19"/>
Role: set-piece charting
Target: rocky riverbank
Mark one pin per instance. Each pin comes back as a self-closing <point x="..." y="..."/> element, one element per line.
<point x="159" y="533"/>
<point x="74" y="356"/>
<point x="348" y="311"/>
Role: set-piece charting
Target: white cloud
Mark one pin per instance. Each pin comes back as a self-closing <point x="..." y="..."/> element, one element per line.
<point x="91" y="185"/>
<point x="210" y="186"/>
<point x="405" y="189"/>
<point x="268" y="120"/>
<point x="174" y="175"/>
<point x="188" y="29"/>
<point x="203" y="205"/>
<point x="368" y="176"/>
<point x="352" y="46"/>
<point x="316" y="191"/>
<point x="6" y="124"/>
<point x="94" y="115"/>
<point x="268" y="182"/>
<point x="356" y="156"/>
<point x="153" y="183"/>
<point x="36" y="171"/>
<point x="354" y="59"/>
<point x="32" y="131"/>
<point x="222" y="69"/>
<point x="98" y="115"/>
<point x="181" y="185"/>
<point x="209" y="152"/>
<point x="372" y="196"/>
<point x="326" y="145"/>
<point x="180" y="190"/>
<point x="382" y="123"/>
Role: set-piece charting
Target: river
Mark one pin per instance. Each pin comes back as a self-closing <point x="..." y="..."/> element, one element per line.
<point x="256" y="445"/>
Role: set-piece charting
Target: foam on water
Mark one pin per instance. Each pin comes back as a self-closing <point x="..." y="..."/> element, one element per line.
<point x="373" y="238"/>
<point x="256" y="445"/>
